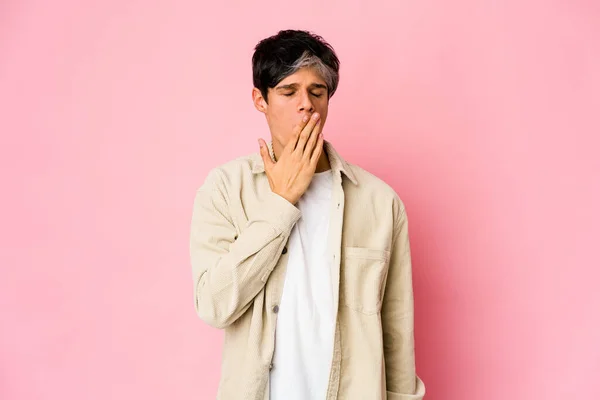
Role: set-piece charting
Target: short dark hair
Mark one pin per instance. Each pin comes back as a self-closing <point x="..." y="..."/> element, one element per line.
<point x="281" y="55"/>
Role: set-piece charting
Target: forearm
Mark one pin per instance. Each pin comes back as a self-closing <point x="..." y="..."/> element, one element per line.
<point x="230" y="270"/>
<point x="397" y="313"/>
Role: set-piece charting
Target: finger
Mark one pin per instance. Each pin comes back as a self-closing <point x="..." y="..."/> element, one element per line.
<point x="305" y="134"/>
<point x="312" y="140"/>
<point x="291" y="145"/>
<point x="264" y="152"/>
<point x="316" y="153"/>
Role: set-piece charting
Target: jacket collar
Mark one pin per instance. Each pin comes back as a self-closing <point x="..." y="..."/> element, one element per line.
<point x="338" y="164"/>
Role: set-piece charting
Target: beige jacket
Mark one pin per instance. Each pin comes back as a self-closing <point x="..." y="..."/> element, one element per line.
<point x="239" y="233"/>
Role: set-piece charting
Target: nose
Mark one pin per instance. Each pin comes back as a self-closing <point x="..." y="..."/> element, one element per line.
<point x="306" y="104"/>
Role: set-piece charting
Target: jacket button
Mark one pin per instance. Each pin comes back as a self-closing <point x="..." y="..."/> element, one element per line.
<point x="284" y="250"/>
<point x="276" y="309"/>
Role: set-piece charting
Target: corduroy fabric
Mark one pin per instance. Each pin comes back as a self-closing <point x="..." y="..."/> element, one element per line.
<point x="239" y="231"/>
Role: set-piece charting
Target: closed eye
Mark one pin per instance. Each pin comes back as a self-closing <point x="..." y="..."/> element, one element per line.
<point x="314" y="94"/>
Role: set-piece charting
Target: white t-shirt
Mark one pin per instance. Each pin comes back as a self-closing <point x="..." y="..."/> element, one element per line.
<point x="306" y="320"/>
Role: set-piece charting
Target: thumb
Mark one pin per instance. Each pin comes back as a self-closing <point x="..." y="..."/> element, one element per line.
<point x="264" y="152"/>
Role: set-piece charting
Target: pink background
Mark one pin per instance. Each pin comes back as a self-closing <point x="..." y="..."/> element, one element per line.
<point x="483" y="115"/>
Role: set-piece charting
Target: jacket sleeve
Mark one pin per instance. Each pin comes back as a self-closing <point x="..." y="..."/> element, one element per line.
<point x="402" y="382"/>
<point x="230" y="270"/>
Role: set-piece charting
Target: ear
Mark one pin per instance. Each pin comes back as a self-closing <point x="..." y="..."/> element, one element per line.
<point x="259" y="101"/>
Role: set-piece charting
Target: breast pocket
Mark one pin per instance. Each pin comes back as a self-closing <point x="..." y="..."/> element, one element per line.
<point x="363" y="274"/>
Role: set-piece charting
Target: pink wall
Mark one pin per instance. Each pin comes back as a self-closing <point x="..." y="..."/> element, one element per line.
<point x="479" y="113"/>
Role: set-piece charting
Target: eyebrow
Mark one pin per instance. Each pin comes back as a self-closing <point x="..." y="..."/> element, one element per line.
<point x="295" y="86"/>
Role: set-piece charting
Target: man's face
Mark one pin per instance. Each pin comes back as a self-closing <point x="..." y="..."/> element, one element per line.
<point x="302" y="93"/>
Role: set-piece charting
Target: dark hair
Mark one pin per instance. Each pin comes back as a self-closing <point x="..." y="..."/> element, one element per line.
<point x="281" y="55"/>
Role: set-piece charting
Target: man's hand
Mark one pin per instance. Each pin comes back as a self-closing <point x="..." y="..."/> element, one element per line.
<point x="291" y="175"/>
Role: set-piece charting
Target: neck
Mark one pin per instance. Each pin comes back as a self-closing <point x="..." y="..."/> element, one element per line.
<point x="323" y="163"/>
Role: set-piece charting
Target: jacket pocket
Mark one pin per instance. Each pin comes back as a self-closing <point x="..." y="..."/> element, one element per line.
<point x="362" y="278"/>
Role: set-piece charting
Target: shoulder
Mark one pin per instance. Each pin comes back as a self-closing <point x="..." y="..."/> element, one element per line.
<point x="232" y="172"/>
<point x="373" y="187"/>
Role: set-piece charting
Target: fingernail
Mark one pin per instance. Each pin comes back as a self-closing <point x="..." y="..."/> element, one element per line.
<point x="260" y="143"/>
<point x="305" y="118"/>
<point x="315" y="116"/>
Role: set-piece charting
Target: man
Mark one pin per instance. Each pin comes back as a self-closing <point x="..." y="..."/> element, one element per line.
<point x="300" y="256"/>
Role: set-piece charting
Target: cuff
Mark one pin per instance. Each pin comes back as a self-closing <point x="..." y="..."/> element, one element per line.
<point x="280" y="213"/>
<point x="419" y="393"/>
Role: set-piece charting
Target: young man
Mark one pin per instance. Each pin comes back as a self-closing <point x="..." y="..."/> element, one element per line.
<point x="300" y="256"/>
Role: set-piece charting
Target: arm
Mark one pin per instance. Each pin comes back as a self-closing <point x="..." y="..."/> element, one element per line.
<point x="228" y="270"/>
<point x="397" y="318"/>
